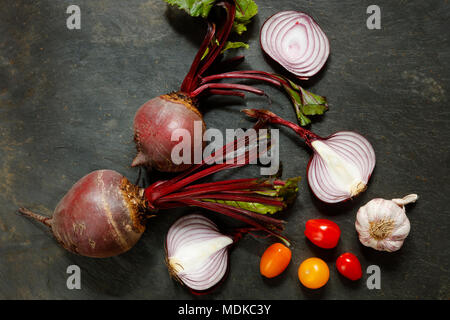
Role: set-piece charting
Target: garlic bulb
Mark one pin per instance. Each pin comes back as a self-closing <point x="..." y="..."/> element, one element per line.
<point x="382" y="224"/>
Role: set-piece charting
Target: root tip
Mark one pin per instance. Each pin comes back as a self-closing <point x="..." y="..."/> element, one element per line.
<point x="35" y="216"/>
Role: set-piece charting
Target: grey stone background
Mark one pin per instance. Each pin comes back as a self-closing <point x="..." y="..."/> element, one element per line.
<point x="67" y="101"/>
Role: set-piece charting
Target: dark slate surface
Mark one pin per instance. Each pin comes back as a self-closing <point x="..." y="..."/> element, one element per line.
<point x="67" y="100"/>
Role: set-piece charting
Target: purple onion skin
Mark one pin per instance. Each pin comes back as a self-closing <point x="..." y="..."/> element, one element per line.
<point x="154" y="123"/>
<point x="95" y="217"/>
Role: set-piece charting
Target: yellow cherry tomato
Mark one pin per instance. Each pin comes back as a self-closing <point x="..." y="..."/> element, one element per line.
<point x="274" y="260"/>
<point x="313" y="273"/>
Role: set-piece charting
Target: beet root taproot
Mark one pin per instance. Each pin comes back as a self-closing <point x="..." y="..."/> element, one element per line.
<point x="154" y="124"/>
<point x="100" y="216"/>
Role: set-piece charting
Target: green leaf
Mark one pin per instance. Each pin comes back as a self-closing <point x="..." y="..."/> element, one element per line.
<point x="239" y="28"/>
<point x="234" y="45"/>
<point x="289" y="190"/>
<point x="205" y="53"/>
<point x="195" y="8"/>
<point x="311" y="98"/>
<point x="305" y="103"/>
<point x="250" y="206"/>
<point x="245" y="11"/>
<point x="314" y="109"/>
<point x="285" y="193"/>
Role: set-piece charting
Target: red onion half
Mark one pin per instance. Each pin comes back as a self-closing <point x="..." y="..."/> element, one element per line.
<point x="341" y="165"/>
<point x="197" y="253"/>
<point x="296" y="42"/>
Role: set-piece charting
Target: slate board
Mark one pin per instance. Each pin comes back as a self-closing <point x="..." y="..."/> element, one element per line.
<point x="67" y="101"/>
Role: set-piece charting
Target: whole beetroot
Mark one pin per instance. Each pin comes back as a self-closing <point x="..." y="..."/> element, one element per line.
<point x="104" y="215"/>
<point x="154" y="124"/>
<point x="98" y="217"/>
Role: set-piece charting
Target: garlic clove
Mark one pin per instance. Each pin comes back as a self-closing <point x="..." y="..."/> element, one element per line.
<point x="402" y="231"/>
<point x="382" y="224"/>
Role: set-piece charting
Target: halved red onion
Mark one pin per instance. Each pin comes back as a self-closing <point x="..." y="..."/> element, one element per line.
<point x="341" y="165"/>
<point x="197" y="253"/>
<point x="296" y="42"/>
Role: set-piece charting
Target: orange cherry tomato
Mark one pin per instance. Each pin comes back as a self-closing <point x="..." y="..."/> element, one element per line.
<point x="275" y="260"/>
<point x="313" y="273"/>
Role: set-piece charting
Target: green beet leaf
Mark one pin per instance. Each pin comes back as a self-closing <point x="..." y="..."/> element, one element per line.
<point x="245" y="11"/>
<point x="286" y="194"/>
<point x="305" y="103"/>
<point x="195" y="8"/>
<point x="234" y="45"/>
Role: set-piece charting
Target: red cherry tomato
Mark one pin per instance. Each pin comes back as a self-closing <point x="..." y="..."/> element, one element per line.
<point x="274" y="260"/>
<point x="323" y="233"/>
<point x="349" y="266"/>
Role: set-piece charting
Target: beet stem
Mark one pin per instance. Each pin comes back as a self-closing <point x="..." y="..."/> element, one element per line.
<point x="239" y="75"/>
<point x="43" y="219"/>
<point x="189" y="81"/>
<point x="270" y="117"/>
<point x="244" y="216"/>
<point x="226" y="93"/>
<point x="233" y="86"/>
<point x="222" y="36"/>
<point x="214" y="41"/>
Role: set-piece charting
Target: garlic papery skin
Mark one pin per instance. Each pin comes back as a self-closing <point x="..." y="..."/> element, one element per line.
<point x="382" y="224"/>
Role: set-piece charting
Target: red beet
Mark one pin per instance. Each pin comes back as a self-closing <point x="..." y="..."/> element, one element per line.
<point x="156" y="120"/>
<point x="104" y="215"/>
<point x="98" y="217"/>
<point x="154" y="123"/>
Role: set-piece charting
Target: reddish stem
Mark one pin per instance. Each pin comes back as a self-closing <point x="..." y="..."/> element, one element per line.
<point x="188" y="81"/>
<point x="249" y="217"/>
<point x="226" y="93"/>
<point x="233" y="86"/>
<point x="160" y="189"/>
<point x="250" y="181"/>
<point x="209" y="189"/>
<point x="271" y="117"/>
<point x="241" y="75"/>
<point x="227" y="197"/>
<point x="222" y="36"/>
<point x="214" y="41"/>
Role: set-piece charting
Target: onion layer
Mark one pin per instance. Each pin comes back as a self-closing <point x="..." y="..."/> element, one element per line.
<point x="197" y="253"/>
<point x="296" y="42"/>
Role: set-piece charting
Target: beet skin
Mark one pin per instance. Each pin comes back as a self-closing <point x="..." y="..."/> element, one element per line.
<point x="98" y="217"/>
<point x="154" y="123"/>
